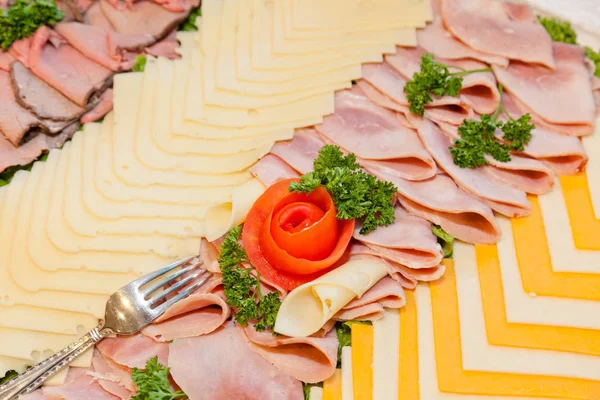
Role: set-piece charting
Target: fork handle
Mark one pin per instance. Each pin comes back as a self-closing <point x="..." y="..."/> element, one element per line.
<point x="34" y="377"/>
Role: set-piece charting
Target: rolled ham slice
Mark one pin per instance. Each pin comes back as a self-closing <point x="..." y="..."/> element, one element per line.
<point x="374" y="133"/>
<point x="409" y="241"/>
<point x="271" y="169"/>
<point x="301" y="151"/>
<point x="501" y="198"/>
<point x="522" y="173"/>
<point x="479" y="89"/>
<point x="133" y="351"/>
<point x="222" y="366"/>
<point x="310" y="359"/>
<point x="549" y="95"/>
<point x="387" y="293"/>
<point x="489" y="26"/>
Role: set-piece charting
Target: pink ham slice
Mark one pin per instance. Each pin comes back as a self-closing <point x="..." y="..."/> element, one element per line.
<point x="20" y="50"/>
<point x="209" y="255"/>
<point x="65" y="68"/>
<point x="375" y="133"/>
<point x="271" y="169"/>
<point x="133" y="351"/>
<point x="309" y="359"/>
<point x="105" y="104"/>
<point x="487" y="26"/>
<point x="166" y="48"/>
<point x="5" y="60"/>
<point x="502" y="198"/>
<point x="409" y="241"/>
<point x="198" y="314"/>
<point x="522" y="173"/>
<point x="549" y="95"/>
<point x="37" y="395"/>
<point x="595" y="88"/>
<point x="222" y="366"/>
<point x="479" y="90"/>
<point x="113" y="378"/>
<point x="78" y="385"/>
<point x="386" y="293"/>
<point x="301" y="151"/>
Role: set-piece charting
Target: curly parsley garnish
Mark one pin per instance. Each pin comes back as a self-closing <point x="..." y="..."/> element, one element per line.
<point x="189" y="24"/>
<point x="242" y="289"/>
<point x="477" y="139"/>
<point x="24" y="17"/>
<point x="445" y="239"/>
<point x="435" y="78"/>
<point x="356" y="194"/>
<point x="595" y="58"/>
<point x="140" y="64"/>
<point x="559" y="31"/>
<point x="153" y="382"/>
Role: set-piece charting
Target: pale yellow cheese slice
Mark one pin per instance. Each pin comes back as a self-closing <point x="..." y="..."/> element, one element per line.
<point x="45" y="319"/>
<point x="221" y="217"/>
<point x="157" y="88"/>
<point x="347" y="378"/>
<point x="308" y="307"/>
<point x="46" y="256"/>
<point x="64" y="238"/>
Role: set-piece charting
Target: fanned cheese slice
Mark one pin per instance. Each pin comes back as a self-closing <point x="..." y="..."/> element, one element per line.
<point x="221" y="217"/>
<point x="308" y="307"/>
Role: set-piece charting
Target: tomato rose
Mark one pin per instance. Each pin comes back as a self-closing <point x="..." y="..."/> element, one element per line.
<point x="293" y="238"/>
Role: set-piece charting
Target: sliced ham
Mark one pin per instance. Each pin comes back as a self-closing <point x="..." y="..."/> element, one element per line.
<point x="595" y="88"/>
<point x="301" y="151"/>
<point x="209" y="255"/>
<point x="222" y="366"/>
<point x="5" y="60"/>
<point x="95" y="16"/>
<point x="387" y="293"/>
<point x="271" y="169"/>
<point x="40" y="98"/>
<point x="501" y="198"/>
<point x="37" y="395"/>
<point x="309" y="359"/>
<point x="178" y="5"/>
<point x="487" y="26"/>
<point x="20" y="50"/>
<point x="166" y="48"/>
<point x="103" y="107"/>
<point x="409" y="241"/>
<point x="479" y="90"/>
<point x="366" y="89"/>
<point x="64" y="68"/>
<point x="78" y="385"/>
<point x="549" y="95"/>
<point x="374" y="133"/>
<point x="113" y="378"/>
<point x="133" y="351"/>
<point x="198" y="314"/>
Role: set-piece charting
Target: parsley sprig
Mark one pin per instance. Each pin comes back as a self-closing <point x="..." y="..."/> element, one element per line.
<point x="559" y="31"/>
<point x="24" y="17"/>
<point x="356" y="194"/>
<point x="433" y="78"/>
<point x="189" y="24"/>
<point x="477" y="138"/>
<point x="242" y="289"/>
<point x="445" y="239"/>
<point x="153" y="382"/>
<point x="595" y="58"/>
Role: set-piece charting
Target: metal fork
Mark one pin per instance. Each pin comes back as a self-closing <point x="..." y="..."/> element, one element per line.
<point x="128" y="311"/>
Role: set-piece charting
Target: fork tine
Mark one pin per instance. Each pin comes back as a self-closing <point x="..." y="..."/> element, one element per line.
<point x="164" y="293"/>
<point x="180" y="296"/>
<point x="153" y="275"/>
<point x="168" y="278"/>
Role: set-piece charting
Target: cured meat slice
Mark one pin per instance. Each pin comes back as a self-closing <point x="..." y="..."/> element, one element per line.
<point x="309" y="359"/>
<point x="95" y="16"/>
<point x="64" y="68"/>
<point x="178" y="5"/>
<point x="5" y="60"/>
<point x="78" y="385"/>
<point x="133" y="351"/>
<point x="479" y="90"/>
<point x="502" y="198"/>
<point x="487" y="26"/>
<point x="522" y="173"/>
<point x="595" y="88"/>
<point x="548" y="95"/>
<point x="104" y="106"/>
<point x="386" y="293"/>
<point x="209" y="255"/>
<point x="437" y="40"/>
<point x="113" y="378"/>
<point x="229" y="369"/>
<point x="198" y="314"/>
<point x="40" y="98"/>
<point x="271" y="169"/>
<point x="37" y="395"/>
<point x="409" y="238"/>
<point x="20" y="50"/>
<point x="301" y="151"/>
<point x="375" y="133"/>
<point x="166" y="48"/>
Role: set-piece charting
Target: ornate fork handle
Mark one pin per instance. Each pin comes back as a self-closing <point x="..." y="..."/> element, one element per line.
<point x="34" y="377"/>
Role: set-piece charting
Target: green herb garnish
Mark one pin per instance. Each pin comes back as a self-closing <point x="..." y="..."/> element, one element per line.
<point x="444" y="239"/>
<point x="242" y="290"/>
<point x="24" y="17"/>
<point x="153" y="382"/>
<point x="189" y="24"/>
<point x="306" y="387"/>
<point x="8" y="174"/>
<point x="343" y="331"/>
<point x="10" y="374"/>
<point x="477" y="138"/>
<point x="140" y="64"/>
<point x="559" y="31"/>
<point x="356" y="194"/>
<point x="595" y="58"/>
<point x="434" y="77"/>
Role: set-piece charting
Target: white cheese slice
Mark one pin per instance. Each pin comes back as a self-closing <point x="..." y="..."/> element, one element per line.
<point x="46" y="256"/>
<point x="19" y="365"/>
<point x="157" y="91"/>
<point x="221" y="217"/>
<point x="45" y="319"/>
<point x="64" y="238"/>
<point x="308" y="307"/>
<point x="386" y="356"/>
<point x="36" y="346"/>
<point x="591" y="143"/>
<point x="347" y="381"/>
<point x="315" y="393"/>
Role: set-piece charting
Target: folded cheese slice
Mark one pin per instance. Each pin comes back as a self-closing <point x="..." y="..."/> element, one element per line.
<point x="308" y="307"/>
